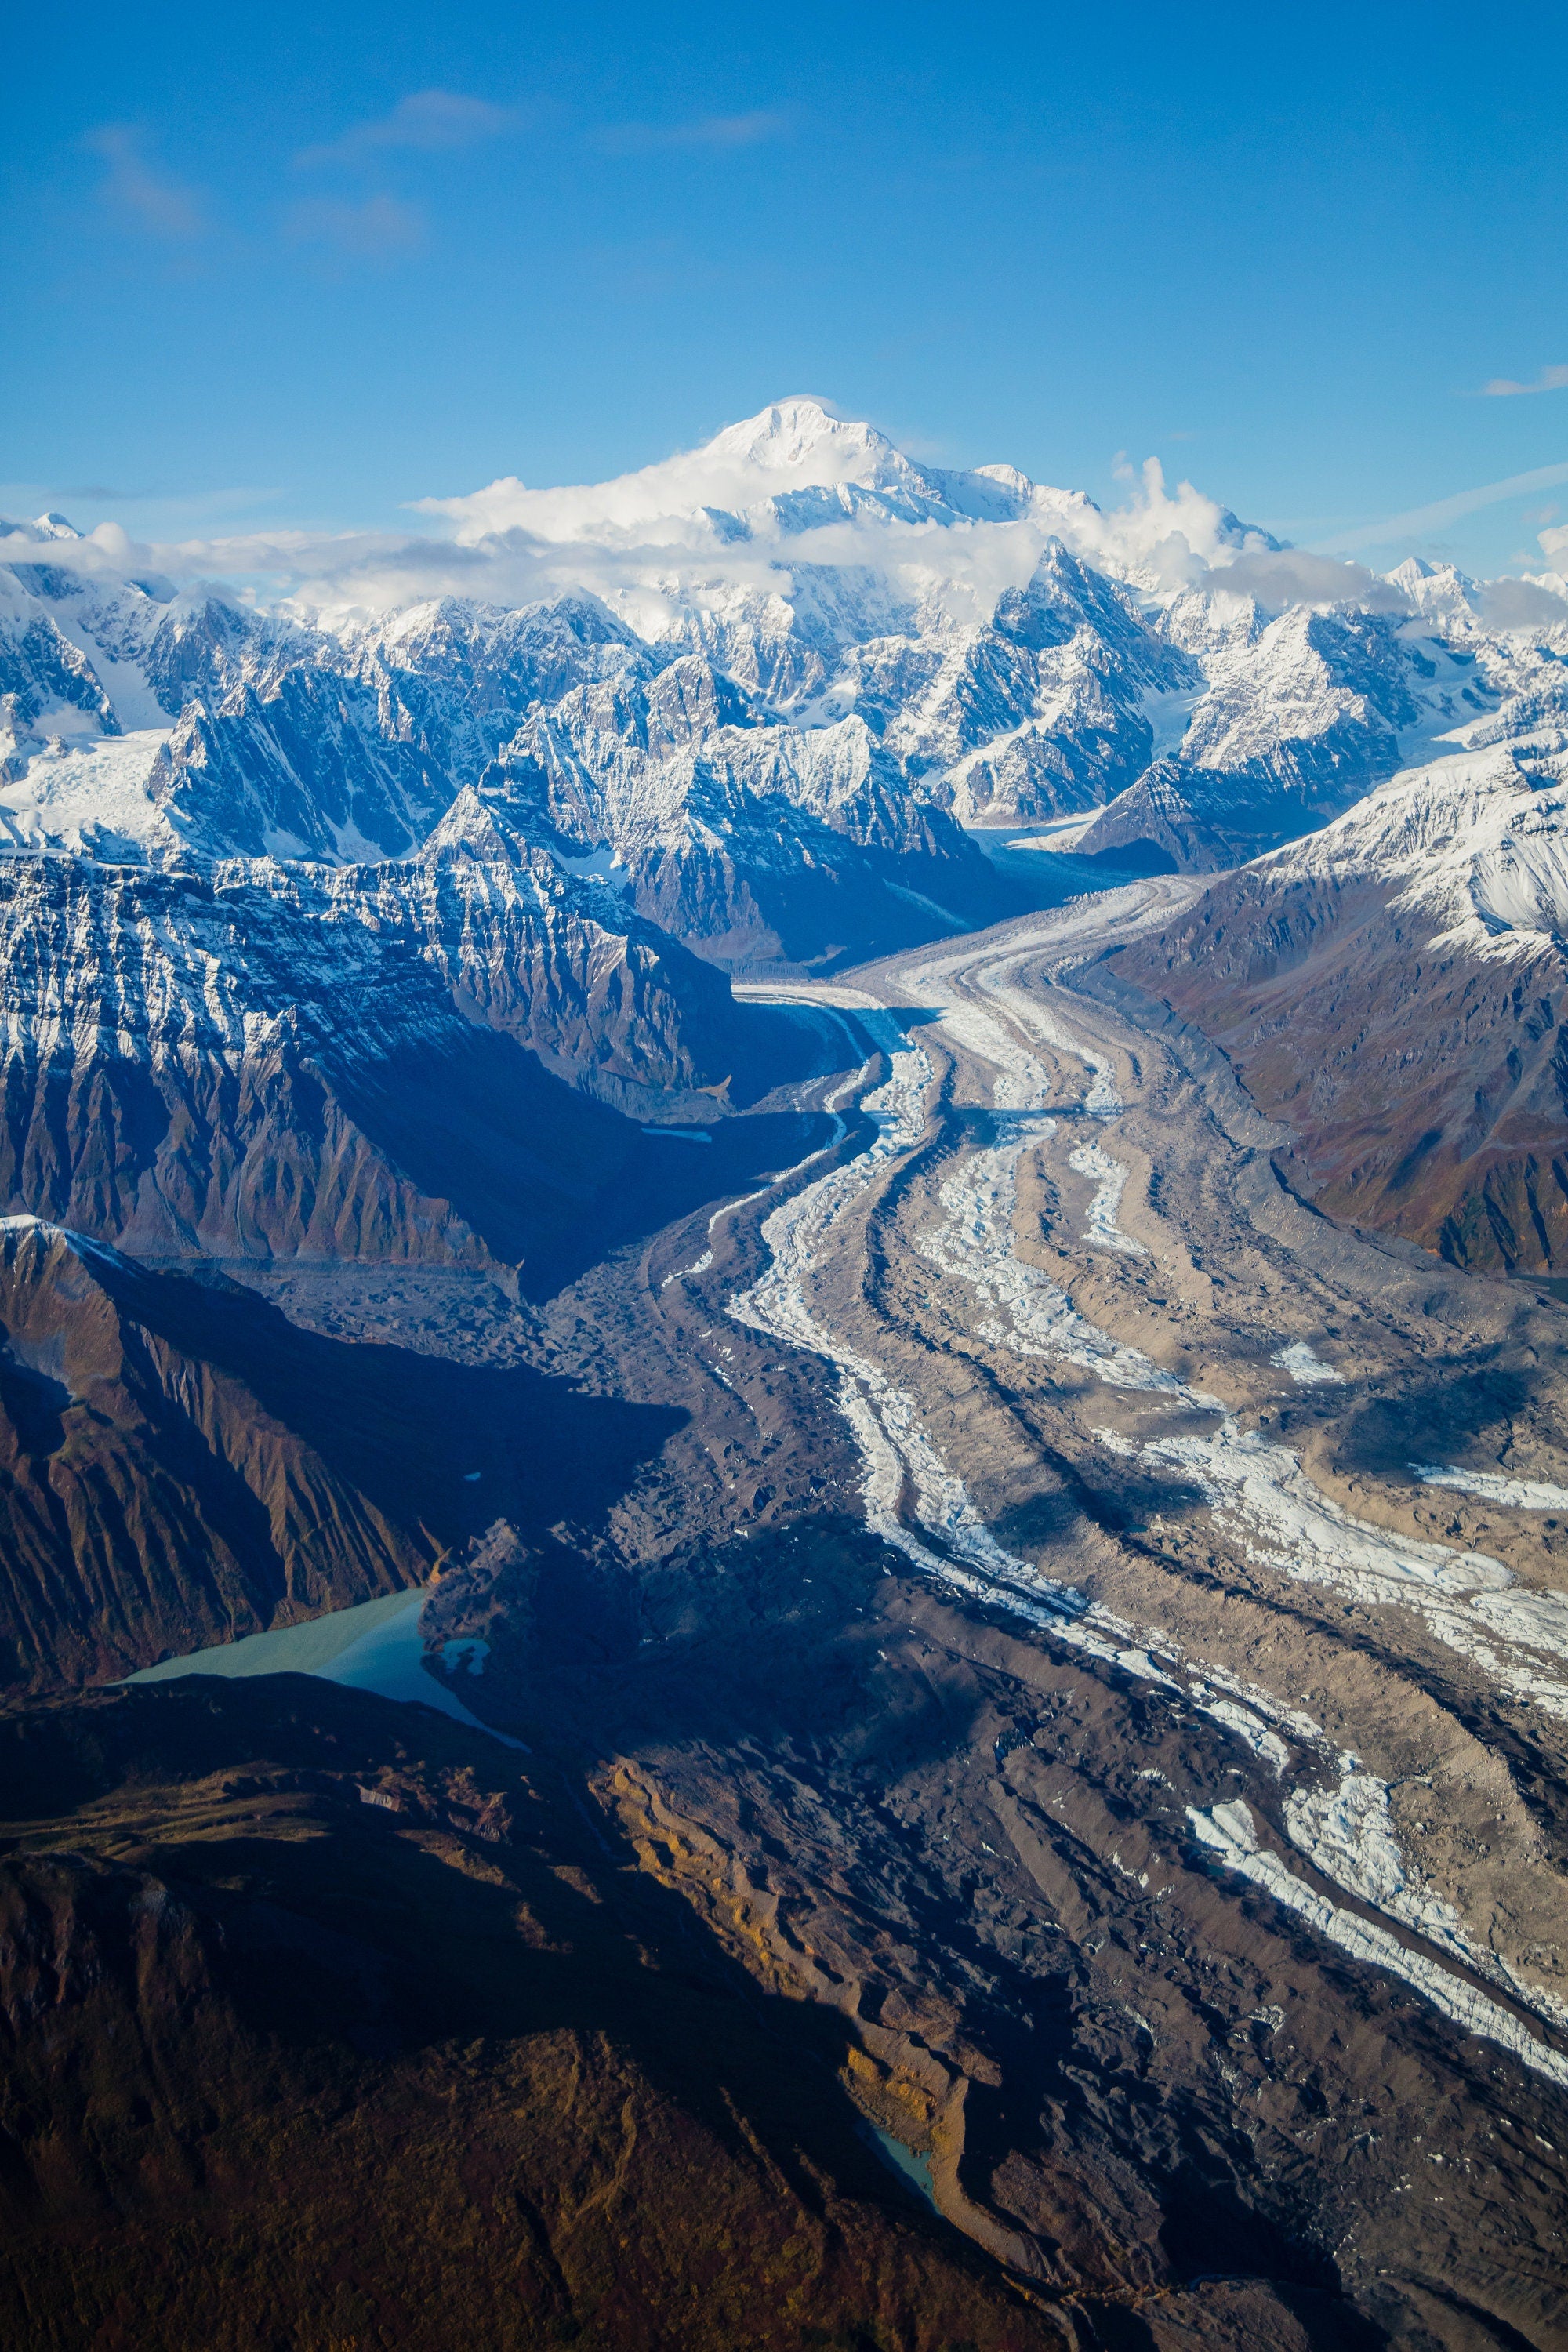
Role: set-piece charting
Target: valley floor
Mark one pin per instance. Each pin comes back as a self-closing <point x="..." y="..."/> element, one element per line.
<point x="1190" y="1853"/>
<point x="1094" y="1631"/>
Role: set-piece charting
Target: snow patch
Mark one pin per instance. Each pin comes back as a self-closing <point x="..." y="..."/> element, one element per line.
<point x="1306" y="1368"/>
<point x="1513" y="1494"/>
<point x="91" y="794"/>
<point x="1089" y="1160"/>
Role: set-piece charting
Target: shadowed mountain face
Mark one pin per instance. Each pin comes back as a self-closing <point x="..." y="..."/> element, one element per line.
<point x="180" y="1465"/>
<point x="757" y="844"/>
<point x="312" y="2040"/>
<point x="398" y="1062"/>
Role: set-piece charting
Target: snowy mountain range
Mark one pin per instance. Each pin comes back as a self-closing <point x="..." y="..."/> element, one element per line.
<point x="763" y="707"/>
<point x="816" y="604"/>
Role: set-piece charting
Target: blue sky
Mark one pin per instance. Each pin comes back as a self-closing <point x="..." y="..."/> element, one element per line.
<point x="301" y="266"/>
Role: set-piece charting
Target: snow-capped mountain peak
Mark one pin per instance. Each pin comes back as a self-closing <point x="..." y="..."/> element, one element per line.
<point x="800" y="442"/>
<point x="1436" y="591"/>
<point x="703" y="645"/>
<point x="50" y="526"/>
<point x="792" y="467"/>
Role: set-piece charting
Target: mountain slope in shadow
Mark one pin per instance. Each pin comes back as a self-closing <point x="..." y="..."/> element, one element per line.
<point x="180" y="1465"/>
<point x="310" y="2042"/>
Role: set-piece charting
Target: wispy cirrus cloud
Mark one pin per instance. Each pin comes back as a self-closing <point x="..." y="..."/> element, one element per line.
<point x="712" y="130"/>
<point x="378" y="228"/>
<point x="426" y="123"/>
<point x="139" y="194"/>
<point x="1503" y="387"/>
<point x="1418" y="520"/>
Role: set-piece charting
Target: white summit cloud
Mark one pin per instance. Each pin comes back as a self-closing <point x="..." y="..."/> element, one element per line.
<point x="795" y="494"/>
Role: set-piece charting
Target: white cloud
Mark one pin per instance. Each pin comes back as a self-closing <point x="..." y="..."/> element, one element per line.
<point x="645" y="540"/>
<point x="713" y="130"/>
<point x="1503" y="387"/>
<point x="1296" y="575"/>
<point x="145" y="198"/>
<point x="638" y="544"/>
<point x="640" y="539"/>
<point x="797" y="443"/>
<point x="426" y="122"/>
<point x="1436" y="517"/>
<point x="381" y="228"/>
<point x="1523" y="603"/>
<point x="1166" y="538"/>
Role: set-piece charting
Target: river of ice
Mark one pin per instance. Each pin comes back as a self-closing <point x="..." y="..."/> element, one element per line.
<point x="915" y="1501"/>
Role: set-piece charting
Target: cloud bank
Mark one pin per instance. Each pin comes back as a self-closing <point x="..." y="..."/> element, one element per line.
<point x="711" y="525"/>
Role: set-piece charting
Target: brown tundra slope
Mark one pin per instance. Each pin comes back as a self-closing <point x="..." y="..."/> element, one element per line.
<point x="1393" y="990"/>
<point x="312" y="2043"/>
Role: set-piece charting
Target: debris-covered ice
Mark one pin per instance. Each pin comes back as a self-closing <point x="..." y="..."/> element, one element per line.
<point x="1230" y="1833"/>
<point x="915" y="1501"/>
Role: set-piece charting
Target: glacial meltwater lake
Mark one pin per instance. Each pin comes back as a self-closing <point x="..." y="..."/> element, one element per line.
<point x="911" y="2168"/>
<point x="374" y="1646"/>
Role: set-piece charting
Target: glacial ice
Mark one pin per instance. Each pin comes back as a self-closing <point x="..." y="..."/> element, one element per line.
<point x="1513" y="1494"/>
<point x="1281" y="1519"/>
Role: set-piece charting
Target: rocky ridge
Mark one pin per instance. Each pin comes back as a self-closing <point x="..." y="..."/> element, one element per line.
<point x="155" y="1479"/>
<point x="246" y="1058"/>
<point x="1394" y="988"/>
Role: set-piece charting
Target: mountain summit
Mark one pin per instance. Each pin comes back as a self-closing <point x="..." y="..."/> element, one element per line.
<point x="793" y="466"/>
